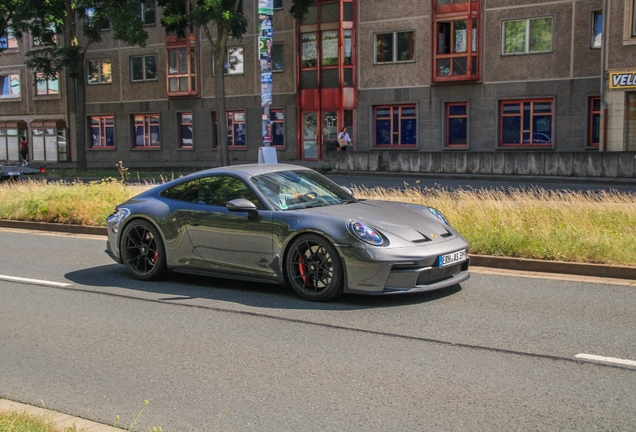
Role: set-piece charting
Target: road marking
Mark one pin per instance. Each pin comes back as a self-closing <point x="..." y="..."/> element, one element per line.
<point x="592" y="357"/>
<point x="33" y="281"/>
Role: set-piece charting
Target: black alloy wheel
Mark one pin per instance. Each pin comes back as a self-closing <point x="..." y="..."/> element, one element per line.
<point x="142" y="250"/>
<point x="314" y="269"/>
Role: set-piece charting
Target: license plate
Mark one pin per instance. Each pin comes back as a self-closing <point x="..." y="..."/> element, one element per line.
<point x="452" y="258"/>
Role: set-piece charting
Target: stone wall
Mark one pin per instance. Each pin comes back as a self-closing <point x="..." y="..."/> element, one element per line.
<point x="535" y="163"/>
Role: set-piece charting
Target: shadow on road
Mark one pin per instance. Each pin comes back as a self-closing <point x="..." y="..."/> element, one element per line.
<point x="179" y="288"/>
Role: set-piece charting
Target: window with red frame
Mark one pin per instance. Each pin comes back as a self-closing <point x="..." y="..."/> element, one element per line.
<point x="594" y="122"/>
<point x="236" y="129"/>
<point x="457" y="124"/>
<point x="395" y="126"/>
<point x="456" y="39"/>
<point x="146" y="131"/>
<point x="185" y="130"/>
<point x="527" y="123"/>
<point x="102" y="131"/>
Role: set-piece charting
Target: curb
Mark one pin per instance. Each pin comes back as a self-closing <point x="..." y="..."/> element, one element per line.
<point x="508" y="263"/>
<point x="60" y="420"/>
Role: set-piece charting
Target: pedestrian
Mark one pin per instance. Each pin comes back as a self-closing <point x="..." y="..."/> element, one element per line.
<point x="24" y="151"/>
<point x="344" y="139"/>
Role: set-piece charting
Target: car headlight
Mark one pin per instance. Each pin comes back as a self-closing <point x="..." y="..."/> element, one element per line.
<point x="438" y="214"/>
<point x="365" y="233"/>
<point x="117" y="217"/>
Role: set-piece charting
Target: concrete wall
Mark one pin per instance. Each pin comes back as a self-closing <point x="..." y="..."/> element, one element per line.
<point x="536" y="163"/>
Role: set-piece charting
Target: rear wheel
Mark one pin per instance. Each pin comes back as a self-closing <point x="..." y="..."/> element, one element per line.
<point x="314" y="269"/>
<point x="142" y="250"/>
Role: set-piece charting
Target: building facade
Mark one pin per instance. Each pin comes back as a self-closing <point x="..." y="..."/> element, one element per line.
<point x="428" y="76"/>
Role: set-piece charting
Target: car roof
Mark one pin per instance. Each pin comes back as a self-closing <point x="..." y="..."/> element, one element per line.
<point x="255" y="169"/>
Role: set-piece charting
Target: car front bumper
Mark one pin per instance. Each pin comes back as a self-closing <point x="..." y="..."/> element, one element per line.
<point x="402" y="270"/>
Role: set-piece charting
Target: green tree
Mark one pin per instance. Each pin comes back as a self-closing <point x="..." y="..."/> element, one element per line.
<point x="65" y="29"/>
<point x="219" y="20"/>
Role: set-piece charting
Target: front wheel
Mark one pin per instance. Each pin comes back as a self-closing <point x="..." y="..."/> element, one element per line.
<point x="142" y="250"/>
<point x="314" y="269"/>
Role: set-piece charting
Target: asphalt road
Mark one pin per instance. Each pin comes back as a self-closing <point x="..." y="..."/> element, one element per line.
<point x="496" y="353"/>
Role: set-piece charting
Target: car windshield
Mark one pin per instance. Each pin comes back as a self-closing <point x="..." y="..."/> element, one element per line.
<point x="292" y="190"/>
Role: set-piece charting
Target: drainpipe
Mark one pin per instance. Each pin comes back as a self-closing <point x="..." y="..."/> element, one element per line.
<point x="603" y="56"/>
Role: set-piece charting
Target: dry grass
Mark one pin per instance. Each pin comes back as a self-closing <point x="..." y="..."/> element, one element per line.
<point x="566" y="226"/>
<point x="22" y="422"/>
<point x="75" y="203"/>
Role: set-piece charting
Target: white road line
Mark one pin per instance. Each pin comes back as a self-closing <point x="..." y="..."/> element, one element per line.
<point x="592" y="357"/>
<point x="33" y="281"/>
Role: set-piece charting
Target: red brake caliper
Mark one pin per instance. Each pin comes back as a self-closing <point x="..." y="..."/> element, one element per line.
<point x="303" y="269"/>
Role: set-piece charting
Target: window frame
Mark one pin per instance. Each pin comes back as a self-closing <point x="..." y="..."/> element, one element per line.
<point x="191" y="70"/>
<point x="100" y="80"/>
<point x="522" y="130"/>
<point x="181" y="123"/>
<point x="147" y="125"/>
<point x="36" y="42"/>
<point x="391" y="118"/>
<point x="144" y="69"/>
<point x="394" y="47"/>
<point x="447" y="121"/>
<point x="10" y="42"/>
<point x="592" y="113"/>
<point x="103" y="127"/>
<point x="527" y="36"/>
<point x="280" y="7"/>
<point x="231" y="139"/>
<point x="142" y="12"/>
<point x="275" y="122"/>
<point x="595" y="16"/>
<point x="47" y="82"/>
<point x="280" y="45"/>
<point x="226" y="64"/>
<point x="11" y="95"/>
<point x="633" y="19"/>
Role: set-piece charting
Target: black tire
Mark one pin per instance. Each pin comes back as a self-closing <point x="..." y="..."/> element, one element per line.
<point x="142" y="250"/>
<point x="313" y="268"/>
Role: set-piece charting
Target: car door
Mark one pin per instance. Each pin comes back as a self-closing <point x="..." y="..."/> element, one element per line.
<point x="232" y="242"/>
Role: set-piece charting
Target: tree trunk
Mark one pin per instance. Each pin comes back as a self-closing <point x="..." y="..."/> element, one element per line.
<point x="80" y="123"/>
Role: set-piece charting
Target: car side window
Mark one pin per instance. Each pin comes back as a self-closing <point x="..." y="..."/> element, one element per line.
<point x="218" y="190"/>
<point x="188" y="191"/>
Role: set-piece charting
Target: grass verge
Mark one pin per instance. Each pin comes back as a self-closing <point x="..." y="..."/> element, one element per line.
<point x="23" y="422"/>
<point x="540" y="224"/>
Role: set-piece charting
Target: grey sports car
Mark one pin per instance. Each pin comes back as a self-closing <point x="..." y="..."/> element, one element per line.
<point x="289" y="225"/>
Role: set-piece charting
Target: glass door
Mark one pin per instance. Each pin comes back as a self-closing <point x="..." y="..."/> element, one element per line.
<point x="310" y="135"/>
<point x="329" y="132"/>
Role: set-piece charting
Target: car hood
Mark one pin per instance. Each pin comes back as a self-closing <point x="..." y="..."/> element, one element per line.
<point x="412" y="223"/>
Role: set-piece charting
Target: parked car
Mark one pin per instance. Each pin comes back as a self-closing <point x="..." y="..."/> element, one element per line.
<point x="289" y="225"/>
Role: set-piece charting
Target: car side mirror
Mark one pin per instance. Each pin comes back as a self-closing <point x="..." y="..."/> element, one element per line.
<point x="242" y="205"/>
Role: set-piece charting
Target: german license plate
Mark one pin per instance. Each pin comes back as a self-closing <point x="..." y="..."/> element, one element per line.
<point x="452" y="258"/>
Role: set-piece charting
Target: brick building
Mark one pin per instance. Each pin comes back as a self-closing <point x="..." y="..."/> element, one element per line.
<point x="463" y="76"/>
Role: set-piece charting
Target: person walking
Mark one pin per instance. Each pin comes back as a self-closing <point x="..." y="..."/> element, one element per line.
<point x="344" y="140"/>
<point x="24" y="151"/>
